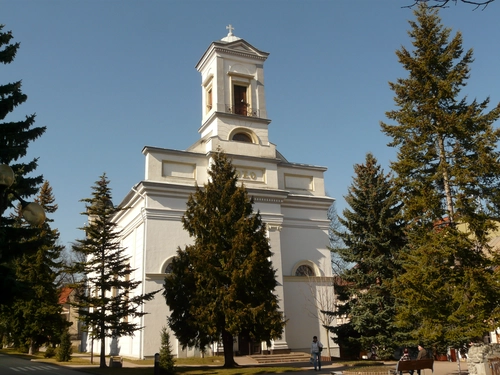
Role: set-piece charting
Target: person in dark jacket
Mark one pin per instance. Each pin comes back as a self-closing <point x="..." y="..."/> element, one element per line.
<point x="422" y="354"/>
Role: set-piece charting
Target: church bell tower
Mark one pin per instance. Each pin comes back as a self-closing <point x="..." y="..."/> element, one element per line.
<point x="234" y="114"/>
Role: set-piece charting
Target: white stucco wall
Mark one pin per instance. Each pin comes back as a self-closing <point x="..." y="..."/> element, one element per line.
<point x="290" y="197"/>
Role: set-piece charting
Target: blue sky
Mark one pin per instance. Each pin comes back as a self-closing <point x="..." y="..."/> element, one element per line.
<point x="109" y="77"/>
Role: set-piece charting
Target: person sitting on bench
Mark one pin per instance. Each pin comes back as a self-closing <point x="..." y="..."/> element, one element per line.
<point x="405" y="357"/>
<point x="422" y="354"/>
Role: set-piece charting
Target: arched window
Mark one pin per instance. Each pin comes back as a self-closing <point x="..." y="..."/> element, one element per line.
<point x="304" y="270"/>
<point x="242" y="137"/>
<point x="168" y="268"/>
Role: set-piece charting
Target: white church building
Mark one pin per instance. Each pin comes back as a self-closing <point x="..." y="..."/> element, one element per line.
<point x="290" y="196"/>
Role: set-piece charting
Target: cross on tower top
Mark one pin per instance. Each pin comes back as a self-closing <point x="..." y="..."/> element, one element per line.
<point x="230" y="28"/>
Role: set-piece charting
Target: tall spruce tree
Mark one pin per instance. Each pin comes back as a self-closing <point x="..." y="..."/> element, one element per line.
<point x="35" y="315"/>
<point x="223" y="285"/>
<point x="15" y="136"/>
<point x="372" y="240"/>
<point x="108" y="300"/>
<point x="448" y="176"/>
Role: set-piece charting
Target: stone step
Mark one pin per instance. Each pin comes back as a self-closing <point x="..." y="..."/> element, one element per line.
<point x="281" y="358"/>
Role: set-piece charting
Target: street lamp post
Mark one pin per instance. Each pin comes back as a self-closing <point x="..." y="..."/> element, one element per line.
<point x="32" y="212"/>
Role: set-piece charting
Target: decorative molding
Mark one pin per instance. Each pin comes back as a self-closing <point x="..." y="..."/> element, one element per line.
<point x="239" y="53"/>
<point x="305" y="262"/>
<point x="274" y="227"/>
<point x="267" y="200"/>
<point x="308" y="201"/>
<point x="309" y="279"/>
<point x="155" y="276"/>
<point x="250" y="174"/>
<point x="307" y="223"/>
<point x="248" y="76"/>
<point x="163" y="214"/>
<point x="207" y="80"/>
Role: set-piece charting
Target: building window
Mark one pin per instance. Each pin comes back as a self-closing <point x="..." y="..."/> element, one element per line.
<point x="208" y="99"/>
<point x="304" y="270"/>
<point x="168" y="268"/>
<point x="240" y="100"/>
<point x="242" y="137"/>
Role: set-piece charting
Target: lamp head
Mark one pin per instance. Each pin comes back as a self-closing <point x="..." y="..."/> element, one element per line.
<point x="6" y="176"/>
<point x="33" y="213"/>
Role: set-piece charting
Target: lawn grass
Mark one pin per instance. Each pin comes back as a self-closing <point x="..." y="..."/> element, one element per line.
<point x="378" y="368"/>
<point x="184" y="366"/>
<point x="191" y="366"/>
<point x="198" y="370"/>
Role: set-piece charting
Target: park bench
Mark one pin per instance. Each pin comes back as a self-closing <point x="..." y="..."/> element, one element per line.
<point x="414" y="364"/>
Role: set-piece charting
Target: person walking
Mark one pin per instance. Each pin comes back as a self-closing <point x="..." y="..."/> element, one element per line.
<point x="316" y="348"/>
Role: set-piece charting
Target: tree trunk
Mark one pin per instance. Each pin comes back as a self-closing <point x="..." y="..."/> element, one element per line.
<point x="446" y="178"/>
<point x="102" y="362"/>
<point x="328" y="344"/>
<point x="102" y="323"/>
<point x="92" y="348"/>
<point x="227" y="341"/>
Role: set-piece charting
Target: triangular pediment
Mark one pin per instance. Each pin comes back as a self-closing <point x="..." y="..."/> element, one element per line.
<point x="242" y="46"/>
<point x="239" y="47"/>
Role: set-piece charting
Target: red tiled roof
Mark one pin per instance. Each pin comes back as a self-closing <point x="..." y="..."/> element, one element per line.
<point x="64" y="296"/>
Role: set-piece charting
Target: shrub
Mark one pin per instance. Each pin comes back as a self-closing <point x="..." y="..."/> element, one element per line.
<point x="166" y="358"/>
<point x="65" y="350"/>
<point x="50" y="352"/>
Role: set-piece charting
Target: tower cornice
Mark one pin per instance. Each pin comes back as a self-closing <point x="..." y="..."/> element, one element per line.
<point x="239" y="48"/>
<point x="228" y="116"/>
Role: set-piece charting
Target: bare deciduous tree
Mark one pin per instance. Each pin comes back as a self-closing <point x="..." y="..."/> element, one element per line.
<point x="445" y="3"/>
<point x="66" y="276"/>
<point x="322" y="303"/>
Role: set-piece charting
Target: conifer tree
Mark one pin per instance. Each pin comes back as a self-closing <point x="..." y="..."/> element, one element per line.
<point x="108" y="299"/>
<point x="372" y="239"/>
<point x="223" y="285"/>
<point x="65" y="349"/>
<point x="15" y="136"/>
<point x="35" y="314"/>
<point x="167" y="364"/>
<point x="448" y="176"/>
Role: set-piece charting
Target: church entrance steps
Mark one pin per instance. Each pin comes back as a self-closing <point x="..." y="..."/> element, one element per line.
<point x="281" y="358"/>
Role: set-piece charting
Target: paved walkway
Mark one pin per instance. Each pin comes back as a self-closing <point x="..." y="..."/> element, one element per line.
<point x="440" y="367"/>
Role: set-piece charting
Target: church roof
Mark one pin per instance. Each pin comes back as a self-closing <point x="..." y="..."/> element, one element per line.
<point x="232" y="45"/>
<point x="230" y="36"/>
<point x="64" y="296"/>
